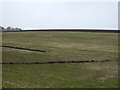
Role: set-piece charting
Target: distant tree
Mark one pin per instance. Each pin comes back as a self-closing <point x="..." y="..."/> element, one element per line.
<point x="9" y="29"/>
<point x="1" y="28"/>
<point x="13" y="29"/>
<point x="17" y="29"/>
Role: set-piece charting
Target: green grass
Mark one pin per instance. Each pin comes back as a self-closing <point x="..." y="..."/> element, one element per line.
<point x="61" y="46"/>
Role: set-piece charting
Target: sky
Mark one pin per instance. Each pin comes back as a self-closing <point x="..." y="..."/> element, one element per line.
<point x="36" y="15"/>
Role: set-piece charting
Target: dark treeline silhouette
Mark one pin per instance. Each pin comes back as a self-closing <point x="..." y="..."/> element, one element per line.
<point x="76" y="30"/>
<point x="2" y="29"/>
<point x="11" y="29"/>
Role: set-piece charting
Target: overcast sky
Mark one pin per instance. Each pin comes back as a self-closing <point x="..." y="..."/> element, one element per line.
<point x="32" y="15"/>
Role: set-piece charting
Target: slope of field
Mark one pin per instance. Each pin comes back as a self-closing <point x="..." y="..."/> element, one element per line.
<point x="61" y="46"/>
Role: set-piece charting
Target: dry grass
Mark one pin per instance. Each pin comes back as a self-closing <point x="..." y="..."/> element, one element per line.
<point x="61" y="46"/>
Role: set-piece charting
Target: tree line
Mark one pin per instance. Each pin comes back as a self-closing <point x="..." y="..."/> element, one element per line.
<point x="2" y="29"/>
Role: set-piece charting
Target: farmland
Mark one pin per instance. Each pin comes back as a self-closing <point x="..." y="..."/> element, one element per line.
<point x="60" y="46"/>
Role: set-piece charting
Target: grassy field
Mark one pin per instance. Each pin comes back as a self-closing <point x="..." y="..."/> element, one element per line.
<point x="61" y="46"/>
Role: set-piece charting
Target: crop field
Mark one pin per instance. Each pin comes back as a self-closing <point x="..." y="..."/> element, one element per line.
<point x="100" y="48"/>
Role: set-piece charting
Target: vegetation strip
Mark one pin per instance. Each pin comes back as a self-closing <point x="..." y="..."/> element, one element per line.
<point x="23" y="48"/>
<point x="87" y="61"/>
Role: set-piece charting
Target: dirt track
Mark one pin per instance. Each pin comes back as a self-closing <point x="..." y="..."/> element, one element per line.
<point x="54" y="62"/>
<point x="23" y="48"/>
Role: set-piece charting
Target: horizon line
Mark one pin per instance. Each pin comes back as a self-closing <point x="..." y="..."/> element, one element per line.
<point x="71" y="28"/>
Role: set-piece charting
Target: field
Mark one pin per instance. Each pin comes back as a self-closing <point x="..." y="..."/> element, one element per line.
<point x="60" y="46"/>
